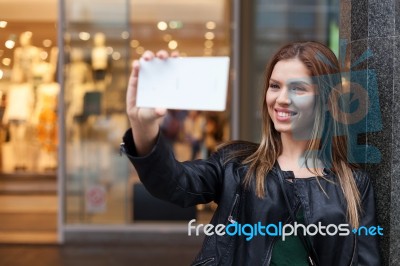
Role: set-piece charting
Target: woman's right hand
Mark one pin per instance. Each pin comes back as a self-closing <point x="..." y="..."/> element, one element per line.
<point x="144" y="121"/>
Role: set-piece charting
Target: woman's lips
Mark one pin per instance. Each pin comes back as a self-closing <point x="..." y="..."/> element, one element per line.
<point x="284" y="115"/>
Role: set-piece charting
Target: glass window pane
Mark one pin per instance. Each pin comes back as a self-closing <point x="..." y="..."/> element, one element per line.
<point x="101" y="40"/>
<point x="96" y="71"/>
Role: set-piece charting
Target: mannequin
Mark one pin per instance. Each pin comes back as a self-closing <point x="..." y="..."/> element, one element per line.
<point x="79" y="81"/>
<point x="43" y="70"/>
<point x="100" y="62"/>
<point x="47" y="124"/>
<point x="44" y="120"/>
<point x="79" y="78"/>
<point x="19" y="107"/>
<point x="26" y="57"/>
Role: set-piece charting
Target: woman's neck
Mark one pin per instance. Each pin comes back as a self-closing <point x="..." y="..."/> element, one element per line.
<point x="292" y="156"/>
<point x="293" y="149"/>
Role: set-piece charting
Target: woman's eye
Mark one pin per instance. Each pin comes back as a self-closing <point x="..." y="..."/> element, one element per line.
<point x="298" y="89"/>
<point x="274" y="86"/>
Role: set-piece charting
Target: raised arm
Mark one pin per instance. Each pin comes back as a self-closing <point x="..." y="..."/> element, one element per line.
<point x="144" y="121"/>
<point x="184" y="184"/>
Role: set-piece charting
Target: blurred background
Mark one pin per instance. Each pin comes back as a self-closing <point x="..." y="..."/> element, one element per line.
<point x="64" y="66"/>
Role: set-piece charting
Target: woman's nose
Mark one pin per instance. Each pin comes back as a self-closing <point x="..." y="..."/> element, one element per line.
<point x="284" y="97"/>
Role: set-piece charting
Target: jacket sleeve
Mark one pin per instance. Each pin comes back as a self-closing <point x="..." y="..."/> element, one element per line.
<point x="182" y="183"/>
<point x="368" y="248"/>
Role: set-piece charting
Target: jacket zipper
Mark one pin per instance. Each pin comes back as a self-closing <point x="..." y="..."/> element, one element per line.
<point x="234" y="205"/>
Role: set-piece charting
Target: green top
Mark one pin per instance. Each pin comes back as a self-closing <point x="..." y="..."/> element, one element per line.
<point x="290" y="252"/>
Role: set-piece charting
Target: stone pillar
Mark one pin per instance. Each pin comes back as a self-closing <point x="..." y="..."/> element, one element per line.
<point x="371" y="26"/>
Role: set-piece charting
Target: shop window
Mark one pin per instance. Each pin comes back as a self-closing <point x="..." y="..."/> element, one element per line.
<point x="29" y="98"/>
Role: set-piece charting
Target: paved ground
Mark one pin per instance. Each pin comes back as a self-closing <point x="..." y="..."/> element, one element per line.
<point x="97" y="255"/>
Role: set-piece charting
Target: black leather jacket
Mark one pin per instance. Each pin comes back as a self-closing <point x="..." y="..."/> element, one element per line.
<point x="202" y="181"/>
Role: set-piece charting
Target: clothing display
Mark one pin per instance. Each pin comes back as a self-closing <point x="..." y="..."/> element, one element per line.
<point x="19" y="98"/>
<point x="17" y="114"/>
<point x="46" y="123"/>
<point x="20" y="103"/>
<point x="30" y="115"/>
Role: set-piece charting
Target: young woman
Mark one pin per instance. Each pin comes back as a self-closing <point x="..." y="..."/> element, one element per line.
<point x="299" y="173"/>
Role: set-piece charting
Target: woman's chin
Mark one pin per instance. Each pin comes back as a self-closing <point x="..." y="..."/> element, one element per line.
<point x="283" y="129"/>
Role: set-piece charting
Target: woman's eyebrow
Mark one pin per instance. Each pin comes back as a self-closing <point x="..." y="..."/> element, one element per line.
<point x="299" y="82"/>
<point x="274" y="81"/>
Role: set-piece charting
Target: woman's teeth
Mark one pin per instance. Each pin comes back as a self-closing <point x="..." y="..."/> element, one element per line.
<point x="284" y="114"/>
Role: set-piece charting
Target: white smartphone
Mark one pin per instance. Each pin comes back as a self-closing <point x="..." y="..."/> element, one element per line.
<point x="185" y="83"/>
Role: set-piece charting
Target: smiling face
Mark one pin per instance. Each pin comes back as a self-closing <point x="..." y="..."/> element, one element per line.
<point x="291" y="98"/>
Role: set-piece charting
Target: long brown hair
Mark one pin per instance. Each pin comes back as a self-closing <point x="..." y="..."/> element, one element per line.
<point x="328" y="142"/>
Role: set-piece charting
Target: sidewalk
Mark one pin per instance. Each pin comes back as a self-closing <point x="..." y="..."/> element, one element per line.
<point x="98" y="255"/>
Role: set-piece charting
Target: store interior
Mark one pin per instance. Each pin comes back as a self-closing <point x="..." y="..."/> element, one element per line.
<point x="100" y="41"/>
